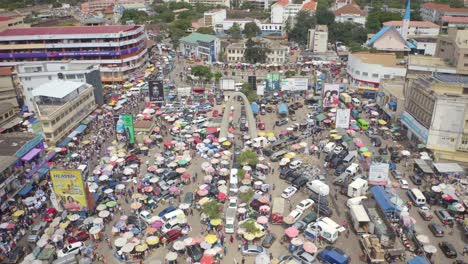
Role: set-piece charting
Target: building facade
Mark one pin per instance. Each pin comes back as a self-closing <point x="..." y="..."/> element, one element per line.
<point x="434" y="12"/>
<point x="214" y="17"/>
<point x="61" y="106"/>
<point x="201" y="46"/>
<point x="120" y="50"/>
<point x="317" y="40"/>
<point x="33" y="75"/>
<point x="416" y="28"/>
<point x="285" y="10"/>
<point x="12" y="22"/>
<point x="225" y="3"/>
<point x="7" y="87"/>
<point x="350" y="12"/>
<point x="278" y="53"/>
<point x="449" y="21"/>
<point x="391" y="98"/>
<point x="100" y="5"/>
<point x="453" y="48"/>
<point x="368" y="69"/>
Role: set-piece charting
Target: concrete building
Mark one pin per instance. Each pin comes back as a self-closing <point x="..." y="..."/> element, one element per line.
<point x="214" y="17"/>
<point x="434" y="12"/>
<point x="100" y="5"/>
<point x="418" y="65"/>
<point x="31" y="76"/>
<point x="437" y="115"/>
<point x="202" y="46"/>
<point x="391" y="98"/>
<point x="350" y="12"/>
<point x="12" y="22"/>
<point x="447" y="22"/>
<point x="283" y="10"/>
<point x="226" y="3"/>
<point x="368" y="69"/>
<point x="120" y="50"/>
<point x="453" y="48"/>
<point x="7" y="87"/>
<point x="8" y="117"/>
<point x="416" y="28"/>
<point x="61" y="106"/>
<point x="259" y="4"/>
<point x="278" y="53"/>
<point x="317" y="40"/>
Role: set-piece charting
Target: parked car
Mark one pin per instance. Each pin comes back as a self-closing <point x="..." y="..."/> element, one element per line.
<point x="396" y="174"/>
<point x="269" y="239"/>
<point x="416" y="179"/>
<point x="312" y="217"/>
<point x="300" y="182"/>
<point x="36" y="232"/>
<point x="71" y="249"/>
<point x="305" y="257"/>
<point x="289" y="192"/>
<point x="425" y="213"/>
<point x="403" y="184"/>
<point x="171" y="235"/>
<point x="195" y="253"/>
<point x="444" y="216"/>
<point x="232" y="202"/>
<point x="295" y="164"/>
<point x="305" y="204"/>
<point x="295" y="214"/>
<point x="146" y="216"/>
<point x="281" y="122"/>
<point x="166" y="210"/>
<point x="448" y="249"/>
<point x="252" y="250"/>
<point x="188" y="198"/>
<point x="78" y="237"/>
<point x="436" y="229"/>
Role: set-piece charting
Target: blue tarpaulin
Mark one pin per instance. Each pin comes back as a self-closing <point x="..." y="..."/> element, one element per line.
<point x="26" y="190"/>
<point x="283" y="109"/>
<point x="42" y="172"/>
<point x="64" y="142"/>
<point x="418" y="260"/>
<point x="254" y="107"/>
<point x="382" y="199"/>
<point x="81" y="128"/>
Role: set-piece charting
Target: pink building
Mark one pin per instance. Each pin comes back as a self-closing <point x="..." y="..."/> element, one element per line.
<point x="101" y="5"/>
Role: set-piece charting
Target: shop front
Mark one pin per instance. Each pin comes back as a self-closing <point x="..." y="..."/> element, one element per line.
<point x="416" y="133"/>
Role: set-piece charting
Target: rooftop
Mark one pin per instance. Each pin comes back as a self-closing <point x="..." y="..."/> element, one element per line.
<point x="384" y="59"/>
<point x="283" y="2"/>
<point x="65" y="30"/>
<point x="349" y="9"/>
<point x="56" y="88"/>
<point x="194" y="38"/>
<point x="5" y="71"/>
<point x="6" y="18"/>
<point x="399" y="23"/>
<point x="416" y="60"/>
<point x="394" y="86"/>
<point x="311" y="6"/>
<point x="444" y="7"/>
<point x="454" y="19"/>
<point x="10" y="143"/>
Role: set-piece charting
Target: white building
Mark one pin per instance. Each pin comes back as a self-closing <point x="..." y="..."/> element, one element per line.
<point x="214" y="17"/>
<point x="278" y="53"/>
<point x="367" y="69"/>
<point x="226" y="24"/>
<point x="434" y="12"/>
<point x="226" y="3"/>
<point x="416" y="28"/>
<point x="282" y="10"/>
<point x="33" y="75"/>
<point x="350" y="12"/>
<point x="202" y="46"/>
<point x="317" y="40"/>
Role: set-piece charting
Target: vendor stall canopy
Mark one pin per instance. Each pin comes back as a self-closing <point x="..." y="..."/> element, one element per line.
<point x="448" y="168"/>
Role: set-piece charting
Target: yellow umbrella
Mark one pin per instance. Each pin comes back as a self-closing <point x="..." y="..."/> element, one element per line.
<point x="382" y="122"/>
<point x="335" y="136"/>
<point x="18" y="213"/>
<point x="204" y="200"/>
<point x="249" y="236"/>
<point x="333" y="131"/>
<point x="211" y="238"/>
<point x="227" y="143"/>
<point x="367" y="154"/>
<point x="215" y="222"/>
<point x="141" y="248"/>
<point x="270" y="134"/>
<point x="152" y="240"/>
<point x="64" y="224"/>
<point x="261" y="134"/>
<point x="86" y="142"/>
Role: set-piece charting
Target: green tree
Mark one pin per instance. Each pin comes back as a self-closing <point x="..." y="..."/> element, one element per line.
<point x="324" y="16"/>
<point x="376" y="18"/>
<point x="248" y="157"/>
<point x="203" y="72"/>
<point x="217" y="76"/>
<point x="250" y="226"/>
<point x="251" y="30"/>
<point x="246" y="5"/>
<point x="212" y="209"/>
<point x="235" y="31"/>
<point x="300" y="31"/>
<point x="255" y="52"/>
<point x="247" y="196"/>
<point x="347" y="33"/>
<point x="241" y="174"/>
<point x="206" y="30"/>
<point x="249" y="92"/>
<point x="138" y="17"/>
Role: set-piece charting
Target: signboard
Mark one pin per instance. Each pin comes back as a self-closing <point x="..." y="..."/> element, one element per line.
<point x="330" y="95"/>
<point x="70" y="190"/>
<point x="227" y="84"/>
<point x="252" y="80"/>
<point x="294" y="84"/>
<point x="128" y="127"/>
<point x="342" y="118"/>
<point x="184" y="91"/>
<point x="378" y="173"/>
<point x="28" y="146"/>
<point x="261" y="89"/>
<point x="273" y="81"/>
<point x="156" y="90"/>
<point x="414" y="126"/>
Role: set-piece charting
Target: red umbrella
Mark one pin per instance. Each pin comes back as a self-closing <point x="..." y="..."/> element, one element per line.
<point x="222" y="196"/>
<point x="291" y="232"/>
<point x="207" y="259"/>
<point x="447" y="197"/>
<point x="185" y="176"/>
<point x="168" y="143"/>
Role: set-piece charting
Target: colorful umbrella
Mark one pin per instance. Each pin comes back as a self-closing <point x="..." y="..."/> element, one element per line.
<point x="291" y="232"/>
<point x="211" y="238"/>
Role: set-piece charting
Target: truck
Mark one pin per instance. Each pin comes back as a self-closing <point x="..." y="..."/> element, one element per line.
<point x="372" y="248"/>
<point x="359" y="218"/>
<point x="345" y="98"/>
<point x="230" y="220"/>
<point x="357" y="188"/>
<point x="277" y="212"/>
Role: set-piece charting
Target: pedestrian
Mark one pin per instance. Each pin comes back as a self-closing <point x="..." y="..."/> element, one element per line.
<point x="243" y="260"/>
<point x="225" y="250"/>
<point x="239" y="247"/>
<point x="231" y="239"/>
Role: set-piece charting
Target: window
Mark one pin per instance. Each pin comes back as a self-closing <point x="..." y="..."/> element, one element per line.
<point x="465" y="90"/>
<point x="27" y="78"/>
<point x="50" y="77"/>
<point x="365" y="74"/>
<point x="62" y="67"/>
<point x="375" y="75"/>
<point x="357" y="72"/>
<point x="386" y="76"/>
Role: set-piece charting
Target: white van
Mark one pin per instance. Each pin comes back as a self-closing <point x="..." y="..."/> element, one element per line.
<point x="352" y="169"/>
<point x="355" y="102"/>
<point x="172" y="215"/>
<point x="329" y="147"/>
<point x="350" y="157"/>
<point x="417" y="197"/>
<point x="233" y="181"/>
<point x="325" y="227"/>
<point x="135" y="90"/>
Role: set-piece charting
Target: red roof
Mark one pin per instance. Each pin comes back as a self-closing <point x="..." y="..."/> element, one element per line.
<point x="452" y="19"/>
<point x="423" y="24"/>
<point x="5" y="18"/>
<point x="444" y="7"/>
<point x="5" y="71"/>
<point x="283" y="2"/>
<point x="311" y="6"/>
<point x="65" y="30"/>
<point x="349" y="9"/>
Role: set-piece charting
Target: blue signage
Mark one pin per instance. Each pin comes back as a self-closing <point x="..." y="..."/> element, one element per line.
<point x="28" y="146"/>
<point x="416" y="128"/>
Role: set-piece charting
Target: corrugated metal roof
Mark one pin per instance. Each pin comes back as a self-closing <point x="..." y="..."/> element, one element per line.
<point x="56" y="88"/>
<point x="195" y="37"/>
<point x="65" y="30"/>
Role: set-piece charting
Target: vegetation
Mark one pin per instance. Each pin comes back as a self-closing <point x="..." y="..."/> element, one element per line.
<point x="212" y="209"/>
<point x="248" y="157"/>
<point x="217" y="76"/>
<point x="249" y="92"/>
<point x="202" y="72"/>
<point x="255" y="52"/>
<point x="206" y="30"/>
<point x="250" y="226"/>
<point x="241" y="174"/>
<point x="300" y="30"/>
<point x="246" y="196"/>
<point x="138" y="17"/>
<point x="376" y="18"/>
<point x="324" y="16"/>
<point x="348" y="33"/>
<point x="235" y="31"/>
<point x="251" y="30"/>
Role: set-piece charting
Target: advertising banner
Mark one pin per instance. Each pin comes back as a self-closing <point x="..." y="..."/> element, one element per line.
<point x="128" y="127"/>
<point x="156" y="90"/>
<point x="294" y="84"/>
<point x="268" y="82"/>
<point x="378" y="173"/>
<point x="261" y="89"/>
<point x="342" y="118"/>
<point x="330" y="95"/>
<point x="70" y="189"/>
<point x="273" y="82"/>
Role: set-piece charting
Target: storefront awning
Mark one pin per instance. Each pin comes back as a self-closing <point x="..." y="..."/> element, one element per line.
<point x="211" y="130"/>
<point x="448" y="167"/>
<point x="423" y="166"/>
<point x="31" y="154"/>
<point x="320" y="117"/>
<point x="26" y="190"/>
<point x="64" y="142"/>
<point x="15" y="121"/>
<point x="81" y="128"/>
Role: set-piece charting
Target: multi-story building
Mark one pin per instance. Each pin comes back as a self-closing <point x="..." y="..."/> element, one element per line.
<point x="12" y="22"/>
<point x="214" y="17"/>
<point x="453" y="48"/>
<point x="285" y="10"/>
<point x="61" y="106"/>
<point x="226" y="3"/>
<point x="437" y="114"/>
<point x="434" y="12"/>
<point x="416" y="28"/>
<point x="391" y="98"/>
<point x="101" y="5"/>
<point x="120" y="50"/>
<point x="368" y="69"/>
<point x="278" y="54"/>
<point x="447" y="22"/>
<point x="7" y="87"/>
<point x="259" y="4"/>
<point x="317" y="40"/>
<point x="350" y="12"/>
<point x="33" y="75"/>
<point x="203" y="46"/>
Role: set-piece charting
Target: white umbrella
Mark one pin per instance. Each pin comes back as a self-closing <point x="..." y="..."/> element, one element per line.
<point x="120" y="186"/>
<point x="95" y="229"/>
<point x="171" y="256"/>
<point x="120" y="242"/>
<point x="127" y="248"/>
<point x="128" y="171"/>
<point x="178" y="245"/>
<point x="128" y="235"/>
<point x="104" y="214"/>
<point x="103" y="178"/>
<point x="109" y="191"/>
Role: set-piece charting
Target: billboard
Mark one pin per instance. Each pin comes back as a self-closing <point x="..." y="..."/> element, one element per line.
<point x="294" y="84"/>
<point x="227" y="84"/>
<point x="252" y="80"/>
<point x="128" y="127"/>
<point x="330" y="95"/>
<point x="378" y="173"/>
<point x="261" y="89"/>
<point x="273" y="81"/>
<point x="342" y="118"/>
<point x="70" y="189"/>
<point x="156" y="90"/>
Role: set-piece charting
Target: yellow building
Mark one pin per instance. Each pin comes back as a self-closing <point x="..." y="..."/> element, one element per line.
<point x="61" y="106"/>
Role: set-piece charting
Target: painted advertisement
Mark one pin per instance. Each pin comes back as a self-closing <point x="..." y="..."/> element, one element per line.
<point x="294" y="84"/>
<point x="342" y="118"/>
<point x="156" y="90"/>
<point x="378" y="173"/>
<point x="331" y="95"/>
<point x="414" y="126"/>
<point x="128" y="127"/>
<point x="70" y="189"/>
<point x="273" y="82"/>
